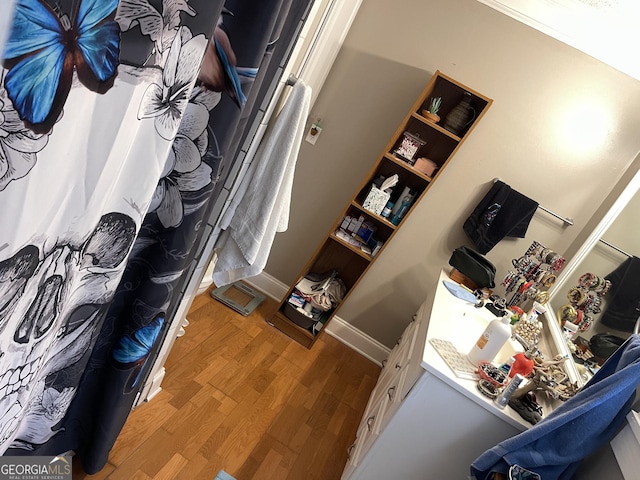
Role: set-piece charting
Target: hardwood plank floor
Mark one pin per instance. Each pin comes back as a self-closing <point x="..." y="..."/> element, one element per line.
<point x="241" y="396"/>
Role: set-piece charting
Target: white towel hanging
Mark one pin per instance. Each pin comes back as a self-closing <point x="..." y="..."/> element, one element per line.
<point x="260" y="207"/>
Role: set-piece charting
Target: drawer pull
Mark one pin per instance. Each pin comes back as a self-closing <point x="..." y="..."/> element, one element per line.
<point x="391" y="392"/>
<point x="370" y="421"/>
<point x="384" y="363"/>
<point x="398" y="366"/>
<point x="350" y="450"/>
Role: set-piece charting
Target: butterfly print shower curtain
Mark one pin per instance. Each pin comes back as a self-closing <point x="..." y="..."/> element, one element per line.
<point x="111" y="148"/>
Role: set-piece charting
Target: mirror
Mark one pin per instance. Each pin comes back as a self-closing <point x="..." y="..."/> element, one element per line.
<point x="612" y="242"/>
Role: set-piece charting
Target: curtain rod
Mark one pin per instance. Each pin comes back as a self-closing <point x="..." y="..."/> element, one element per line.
<point x="567" y="220"/>
<point x="615" y="248"/>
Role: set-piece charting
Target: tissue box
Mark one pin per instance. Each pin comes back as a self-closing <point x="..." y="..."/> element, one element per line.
<point x="376" y="200"/>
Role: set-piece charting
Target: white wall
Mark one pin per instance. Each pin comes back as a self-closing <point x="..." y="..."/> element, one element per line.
<point x="525" y="139"/>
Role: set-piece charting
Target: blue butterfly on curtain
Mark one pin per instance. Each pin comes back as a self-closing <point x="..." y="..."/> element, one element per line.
<point x="133" y="351"/>
<point x="45" y="47"/>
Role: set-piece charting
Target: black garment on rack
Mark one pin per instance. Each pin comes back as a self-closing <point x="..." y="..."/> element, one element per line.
<point x="503" y="212"/>
<point x="623" y="299"/>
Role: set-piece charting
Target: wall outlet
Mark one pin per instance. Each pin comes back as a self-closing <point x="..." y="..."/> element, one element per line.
<point x="313" y="133"/>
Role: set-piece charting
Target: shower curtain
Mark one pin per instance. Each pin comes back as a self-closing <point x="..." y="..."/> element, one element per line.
<point x="111" y="146"/>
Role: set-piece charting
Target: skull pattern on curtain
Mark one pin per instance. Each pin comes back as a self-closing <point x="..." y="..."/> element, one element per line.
<point x="109" y="154"/>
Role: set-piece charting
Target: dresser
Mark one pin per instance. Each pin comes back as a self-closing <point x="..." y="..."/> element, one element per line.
<point x="422" y="421"/>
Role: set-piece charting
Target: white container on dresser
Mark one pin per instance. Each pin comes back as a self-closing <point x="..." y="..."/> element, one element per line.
<point x="423" y="422"/>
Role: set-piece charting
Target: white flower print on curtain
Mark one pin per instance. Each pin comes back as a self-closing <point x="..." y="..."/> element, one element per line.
<point x="166" y="103"/>
<point x="18" y="144"/>
<point x="185" y="171"/>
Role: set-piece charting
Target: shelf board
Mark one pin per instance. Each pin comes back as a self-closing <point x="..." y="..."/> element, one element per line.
<point x="444" y="131"/>
<point x="369" y="213"/>
<point x="353" y="248"/>
<point x="406" y="166"/>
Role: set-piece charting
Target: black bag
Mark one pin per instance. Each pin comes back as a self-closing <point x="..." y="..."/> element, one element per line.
<point x="473" y="265"/>
<point x="603" y="345"/>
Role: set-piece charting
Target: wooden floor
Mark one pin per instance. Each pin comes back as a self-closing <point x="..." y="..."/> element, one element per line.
<point x="241" y="396"/>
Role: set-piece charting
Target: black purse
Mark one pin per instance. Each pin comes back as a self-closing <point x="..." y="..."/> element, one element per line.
<point x="603" y="345"/>
<point x="474" y="266"/>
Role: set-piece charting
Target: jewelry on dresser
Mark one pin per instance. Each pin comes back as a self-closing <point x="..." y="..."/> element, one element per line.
<point x="535" y="272"/>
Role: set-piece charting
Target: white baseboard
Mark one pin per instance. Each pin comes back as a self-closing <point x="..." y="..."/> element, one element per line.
<point x="337" y="328"/>
<point x="358" y="340"/>
<point x="268" y="285"/>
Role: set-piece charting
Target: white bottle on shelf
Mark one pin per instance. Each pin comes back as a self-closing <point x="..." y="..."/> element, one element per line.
<point x="491" y="341"/>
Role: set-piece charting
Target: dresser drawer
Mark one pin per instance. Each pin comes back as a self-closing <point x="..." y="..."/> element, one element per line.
<point x="414" y="359"/>
<point x="401" y="349"/>
<point x="391" y="399"/>
<point x="397" y="361"/>
<point x="350" y="467"/>
<point x="367" y="432"/>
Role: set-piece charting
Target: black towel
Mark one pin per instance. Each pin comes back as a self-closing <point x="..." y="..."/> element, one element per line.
<point x="503" y="212"/>
<point x="623" y="299"/>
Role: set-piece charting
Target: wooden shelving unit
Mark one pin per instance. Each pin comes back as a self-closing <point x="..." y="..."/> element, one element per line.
<point x="349" y="261"/>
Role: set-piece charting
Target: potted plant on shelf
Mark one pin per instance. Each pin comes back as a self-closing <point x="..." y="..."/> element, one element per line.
<point x="431" y="113"/>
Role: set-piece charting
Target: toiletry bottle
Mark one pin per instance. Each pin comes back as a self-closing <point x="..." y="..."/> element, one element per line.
<point x="506" y="367"/>
<point x="523" y="364"/>
<point x="569" y="329"/>
<point x="402" y="211"/>
<point x="386" y="211"/>
<point x="507" y="392"/>
<point x="536" y="310"/>
<point x="398" y="200"/>
<point x="491" y="341"/>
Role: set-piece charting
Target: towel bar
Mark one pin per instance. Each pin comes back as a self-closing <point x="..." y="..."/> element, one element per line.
<point x="567" y="220"/>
